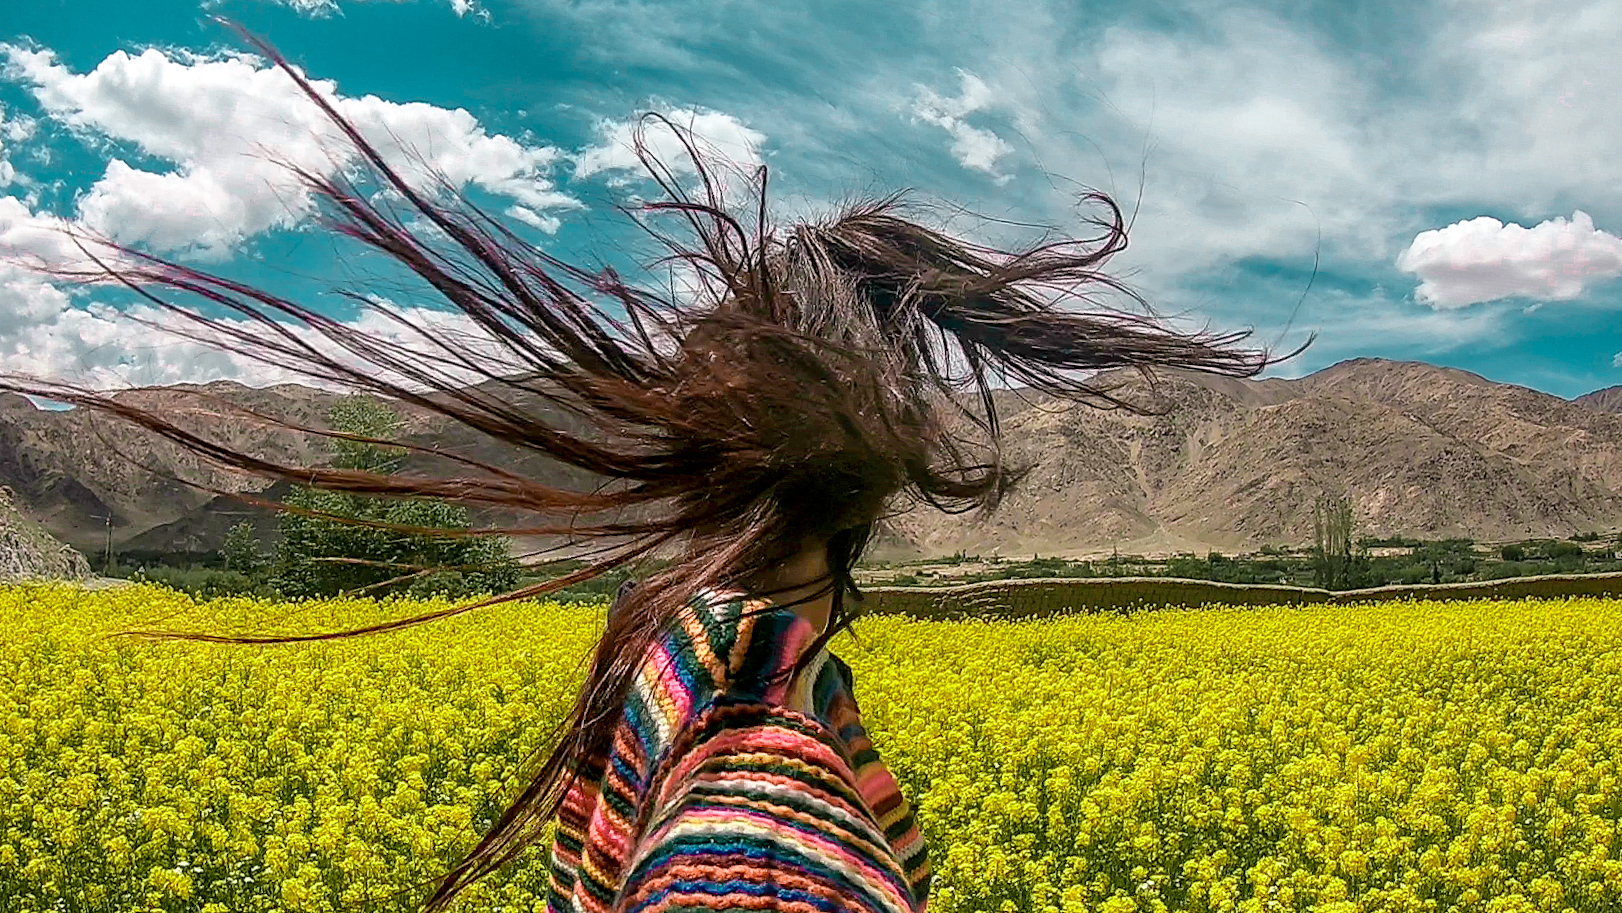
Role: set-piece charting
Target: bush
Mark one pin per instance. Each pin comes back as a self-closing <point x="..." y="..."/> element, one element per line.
<point x="1554" y="549"/>
<point x="1188" y="567"/>
<point x="1413" y="573"/>
<point x="1510" y="569"/>
<point x="204" y="582"/>
<point x="1388" y="542"/>
<point x="1512" y="553"/>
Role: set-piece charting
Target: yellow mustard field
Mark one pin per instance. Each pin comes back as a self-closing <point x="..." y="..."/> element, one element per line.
<point x="1404" y="757"/>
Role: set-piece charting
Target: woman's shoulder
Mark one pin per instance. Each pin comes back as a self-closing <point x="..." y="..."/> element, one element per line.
<point x="747" y="647"/>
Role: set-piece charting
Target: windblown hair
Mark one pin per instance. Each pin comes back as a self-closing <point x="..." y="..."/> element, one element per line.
<point x="805" y="390"/>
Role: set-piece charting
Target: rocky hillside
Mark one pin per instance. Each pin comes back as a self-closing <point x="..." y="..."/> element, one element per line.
<point x="1608" y="399"/>
<point x="27" y="552"/>
<point x="1420" y="450"/>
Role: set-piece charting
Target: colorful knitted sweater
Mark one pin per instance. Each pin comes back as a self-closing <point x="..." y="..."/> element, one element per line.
<point x="723" y="789"/>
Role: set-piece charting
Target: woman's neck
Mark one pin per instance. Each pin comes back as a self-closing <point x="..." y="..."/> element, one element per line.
<point x="797" y="578"/>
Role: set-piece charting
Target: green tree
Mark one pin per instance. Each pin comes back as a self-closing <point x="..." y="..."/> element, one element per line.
<point x="240" y="550"/>
<point x="1338" y="563"/>
<point x="322" y="557"/>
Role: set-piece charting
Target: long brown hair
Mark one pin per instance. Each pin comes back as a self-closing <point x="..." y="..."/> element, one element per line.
<point x="803" y="391"/>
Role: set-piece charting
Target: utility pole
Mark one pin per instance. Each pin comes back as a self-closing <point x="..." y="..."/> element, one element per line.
<point x="107" y="558"/>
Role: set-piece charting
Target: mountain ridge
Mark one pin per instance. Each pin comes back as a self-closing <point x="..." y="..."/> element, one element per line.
<point x="1420" y="449"/>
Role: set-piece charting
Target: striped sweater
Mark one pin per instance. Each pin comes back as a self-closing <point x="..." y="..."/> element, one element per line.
<point x="724" y="788"/>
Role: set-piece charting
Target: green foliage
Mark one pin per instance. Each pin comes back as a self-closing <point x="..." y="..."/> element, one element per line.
<point x="1451" y="560"/>
<point x="595" y="590"/>
<point x="1507" y="569"/>
<point x="1554" y="549"/>
<point x="1388" y="542"/>
<point x="365" y="417"/>
<point x="1224" y="569"/>
<point x="330" y="554"/>
<point x="1338" y="564"/>
<point x="240" y="552"/>
<point x="204" y="582"/>
<point x="323" y="557"/>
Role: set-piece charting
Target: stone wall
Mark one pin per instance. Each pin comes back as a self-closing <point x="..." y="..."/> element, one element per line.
<point x="1045" y="597"/>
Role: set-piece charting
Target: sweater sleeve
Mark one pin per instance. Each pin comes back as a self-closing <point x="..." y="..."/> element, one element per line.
<point x="756" y="806"/>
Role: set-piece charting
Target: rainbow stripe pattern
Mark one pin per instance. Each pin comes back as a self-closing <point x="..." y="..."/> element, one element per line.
<point x="726" y="786"/>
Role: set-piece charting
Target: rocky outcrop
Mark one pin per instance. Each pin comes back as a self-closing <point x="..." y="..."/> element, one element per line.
<point x="28" y="552"/>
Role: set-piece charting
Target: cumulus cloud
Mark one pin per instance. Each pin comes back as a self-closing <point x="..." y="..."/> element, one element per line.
<point x="1252" y="133"/>
<point x="231" y="125"/>
<point x="973" y="147"/>
<point x="1482" y="259"/>
<point x="31" y="240"/>
<point x="13" y="129"/>
<point x="548" y="224"/>
<point x="49" y="332"/>
<point x="218" y="121"/>
<point x="713" y="132"/>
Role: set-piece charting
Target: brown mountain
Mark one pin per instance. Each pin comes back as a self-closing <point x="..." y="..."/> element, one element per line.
<point x="1607" y="399"/>
<point x="70" y="470"/>
<point x="1420" y="450"/>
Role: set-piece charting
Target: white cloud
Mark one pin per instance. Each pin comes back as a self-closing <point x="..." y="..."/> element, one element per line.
<point x="14" y="129"/>
<point x="1616" y="360"/>
<point x="1482" y="259"/>
<point x="319" y="8"/>
<point x="973" y="147"/>
<point x="1251" y="133"/>
<point x="1542" y="81"/>
<point x="30" y="239"/>
<point x="1225" y="134"/>
<point x="713" y="132"/>
<point x="548" y="224"/>
<point x="49" y="330"/>
<point x="48" y="333"/>
<point x="229" y="124"/>
<point x="311" y="7"/>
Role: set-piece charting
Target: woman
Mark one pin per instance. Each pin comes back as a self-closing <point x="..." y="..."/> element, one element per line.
<point x="714" y="756"/>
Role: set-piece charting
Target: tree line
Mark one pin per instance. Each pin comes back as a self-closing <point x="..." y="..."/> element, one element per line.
<point x="315" y="556"/>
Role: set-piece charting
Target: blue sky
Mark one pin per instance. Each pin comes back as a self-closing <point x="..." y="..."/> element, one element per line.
<point x="1451" y="165"/>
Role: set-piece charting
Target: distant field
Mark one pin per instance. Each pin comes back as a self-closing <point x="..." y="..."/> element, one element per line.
<point x="1412" y="756"/>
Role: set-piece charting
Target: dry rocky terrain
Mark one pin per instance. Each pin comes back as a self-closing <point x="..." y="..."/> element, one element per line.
<point x="1233" y="465"/>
